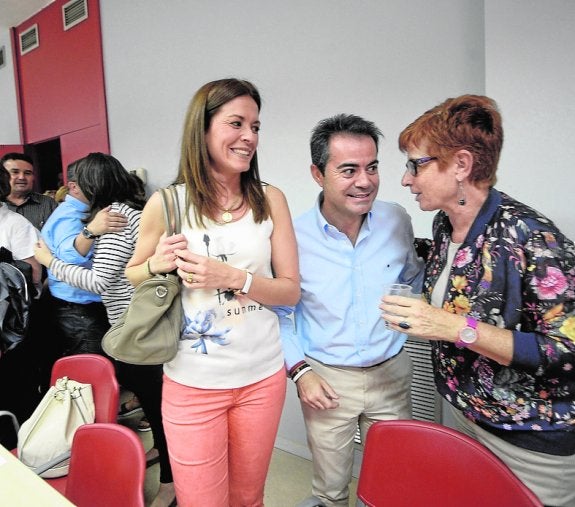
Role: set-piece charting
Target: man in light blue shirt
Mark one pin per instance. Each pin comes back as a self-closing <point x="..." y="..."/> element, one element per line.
<point x="349" y="368"/>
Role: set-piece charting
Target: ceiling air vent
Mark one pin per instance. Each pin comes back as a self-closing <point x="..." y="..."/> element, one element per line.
<point x="29" y="40"/>
<point x="2" y="56"/>
<point x="74" y="12"/>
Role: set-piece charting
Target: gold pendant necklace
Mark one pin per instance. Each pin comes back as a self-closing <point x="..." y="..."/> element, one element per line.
<point x="226" y="216"/>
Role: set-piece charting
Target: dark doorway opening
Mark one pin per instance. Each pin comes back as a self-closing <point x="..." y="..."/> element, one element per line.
<point x="47" y="157"/>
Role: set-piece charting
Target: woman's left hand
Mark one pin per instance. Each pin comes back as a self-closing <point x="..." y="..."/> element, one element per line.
<point x="201" y="272"/>
<point x="417" y="318"/>
<point x="42" y="253"/>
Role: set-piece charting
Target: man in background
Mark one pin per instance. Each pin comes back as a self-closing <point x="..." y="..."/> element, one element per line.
<point x="349" y="368"/>
<point x="18" y="377"/>
<point x="22" y="199"/>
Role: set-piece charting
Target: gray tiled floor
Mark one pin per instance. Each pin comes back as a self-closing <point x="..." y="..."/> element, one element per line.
<point x="289" y="481"/>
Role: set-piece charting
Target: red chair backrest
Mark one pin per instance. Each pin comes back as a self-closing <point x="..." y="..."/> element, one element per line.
<point x="417" y="463"/>
<point x="107" y="467"/>
<point x="98" y="371"/>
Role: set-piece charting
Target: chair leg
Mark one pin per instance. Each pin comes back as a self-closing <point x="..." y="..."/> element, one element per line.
<point x="13" y="417"/>
<point x="7" y="439"/>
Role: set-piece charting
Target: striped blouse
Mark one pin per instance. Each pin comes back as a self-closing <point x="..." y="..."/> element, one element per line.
<point x="106" y="277"/>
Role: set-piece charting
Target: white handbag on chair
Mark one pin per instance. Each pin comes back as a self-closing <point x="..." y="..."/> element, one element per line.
<point x="45" y="440"/>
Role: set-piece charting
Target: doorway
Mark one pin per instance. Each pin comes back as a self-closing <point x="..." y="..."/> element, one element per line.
<point x="47" y="157"/>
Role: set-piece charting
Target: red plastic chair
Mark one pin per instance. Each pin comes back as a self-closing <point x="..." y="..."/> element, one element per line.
<point x="417" y="463"/>
<point x="107" y="467"/>
<point x="98" y="371"/>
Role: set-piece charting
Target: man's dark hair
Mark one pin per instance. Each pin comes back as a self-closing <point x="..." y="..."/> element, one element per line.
<point x="346" y="124"/>
<point x="104" y="180"/>
<point x="71" y="171"/>
<point x="16" y="156"/>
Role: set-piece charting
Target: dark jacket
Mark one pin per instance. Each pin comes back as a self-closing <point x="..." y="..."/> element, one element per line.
<point x="515" y="270"/>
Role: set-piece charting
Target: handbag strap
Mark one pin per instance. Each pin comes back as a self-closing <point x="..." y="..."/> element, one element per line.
<point x="171" y="208"/>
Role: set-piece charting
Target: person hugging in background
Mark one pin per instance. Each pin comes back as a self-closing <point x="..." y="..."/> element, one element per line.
<point x="107" y="185"/>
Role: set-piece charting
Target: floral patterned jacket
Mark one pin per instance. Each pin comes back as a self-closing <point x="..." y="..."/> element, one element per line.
<point x="515" y="270"/>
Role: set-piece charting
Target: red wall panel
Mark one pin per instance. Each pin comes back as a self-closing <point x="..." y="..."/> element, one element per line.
<point x="78" y="144"/>
<point x="10" y="148"/>
<point x="61" y="83"/>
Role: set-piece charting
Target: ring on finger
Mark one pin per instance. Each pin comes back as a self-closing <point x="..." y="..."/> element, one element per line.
<point x="190" y="278"/>
<point x="404" y="325"/>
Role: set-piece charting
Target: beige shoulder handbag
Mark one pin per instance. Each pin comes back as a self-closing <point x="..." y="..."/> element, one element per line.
<point x="148" y="331"/>
<point x="45" y="440"/>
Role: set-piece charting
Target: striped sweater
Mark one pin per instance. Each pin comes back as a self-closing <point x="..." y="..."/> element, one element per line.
<point x="106" y="277"/>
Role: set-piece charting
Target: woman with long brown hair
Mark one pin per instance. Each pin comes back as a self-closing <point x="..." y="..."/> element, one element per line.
<point x="224" y="391"/>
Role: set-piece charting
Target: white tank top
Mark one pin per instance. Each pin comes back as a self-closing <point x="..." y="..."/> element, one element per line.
<point x="228" y="341"/>
<point x="437" y="296"/>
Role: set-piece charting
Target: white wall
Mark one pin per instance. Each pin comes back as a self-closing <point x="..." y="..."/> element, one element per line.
<point x="387" y="61"/>
<point x="530" y="71"/>
<point x="9" y="129"/>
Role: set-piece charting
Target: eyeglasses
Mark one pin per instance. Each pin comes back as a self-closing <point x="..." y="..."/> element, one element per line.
<point x="413" y="164"/>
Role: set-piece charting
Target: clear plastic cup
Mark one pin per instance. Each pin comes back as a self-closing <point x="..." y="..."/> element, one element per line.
<point x="397" y="289"/>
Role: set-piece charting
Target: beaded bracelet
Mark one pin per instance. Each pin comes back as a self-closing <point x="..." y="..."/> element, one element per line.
<point x="150" y="272"/>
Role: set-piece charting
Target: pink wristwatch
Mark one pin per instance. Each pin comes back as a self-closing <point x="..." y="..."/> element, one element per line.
<point x="468" y="334"/>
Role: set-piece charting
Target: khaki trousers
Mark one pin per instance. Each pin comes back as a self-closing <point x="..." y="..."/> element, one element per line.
<point x="551" y="478"/>
<point x="366" y="395"/>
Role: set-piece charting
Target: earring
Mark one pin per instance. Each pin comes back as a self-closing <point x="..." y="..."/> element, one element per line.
<point x="461" y="192"/>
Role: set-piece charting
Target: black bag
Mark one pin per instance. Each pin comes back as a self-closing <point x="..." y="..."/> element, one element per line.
<point x="16" y="295"/>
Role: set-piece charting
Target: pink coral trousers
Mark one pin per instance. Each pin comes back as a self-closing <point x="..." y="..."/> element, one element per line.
<point x="220" y="441"/>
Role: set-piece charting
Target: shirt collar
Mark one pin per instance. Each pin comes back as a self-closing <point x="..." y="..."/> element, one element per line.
<point x="320" y="219"/>
<point x="34" y="197"/>
<point x="333" y="231"/>
<point x="76" y="203"/>
<point x="485" y="214"/>
<point x="30" y="197"/>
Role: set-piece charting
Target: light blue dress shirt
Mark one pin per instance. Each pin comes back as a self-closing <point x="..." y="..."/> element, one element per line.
<point x="337" y="320"/>
<point x="59" y="233"/>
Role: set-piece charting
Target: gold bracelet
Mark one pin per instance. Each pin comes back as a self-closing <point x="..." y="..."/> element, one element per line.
<point x="150" y="272"/>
